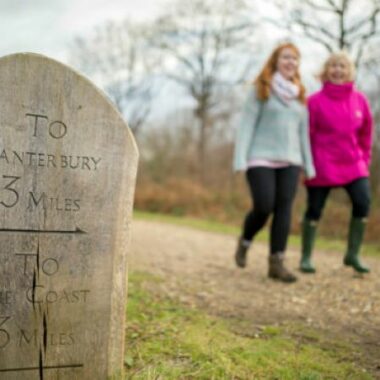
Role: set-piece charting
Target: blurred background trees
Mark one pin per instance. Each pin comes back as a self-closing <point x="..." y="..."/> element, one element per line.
<point x="207" y="49"/>
<point x="118" y="57"/>
<point x="334" y="24"/>
<point x="181" y="78"/>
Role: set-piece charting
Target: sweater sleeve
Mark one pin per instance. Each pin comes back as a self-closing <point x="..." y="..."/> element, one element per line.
<point x="245" y="130"/>
<point x="365" y="133"/>
<point x="305" y="146"/>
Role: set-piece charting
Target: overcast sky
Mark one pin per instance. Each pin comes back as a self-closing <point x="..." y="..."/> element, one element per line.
<point x="48" y="26"/>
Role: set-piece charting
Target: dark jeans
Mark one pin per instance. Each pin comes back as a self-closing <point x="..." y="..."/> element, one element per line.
<point x="358" y="191"/>
<point x="272" y="192"/>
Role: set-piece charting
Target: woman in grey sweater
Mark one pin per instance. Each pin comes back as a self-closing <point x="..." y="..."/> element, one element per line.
<point x="272" y="145"/>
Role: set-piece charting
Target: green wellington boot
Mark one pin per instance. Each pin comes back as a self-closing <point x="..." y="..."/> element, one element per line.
<point x="309" y="229"/>
<point x="355" y="238"/>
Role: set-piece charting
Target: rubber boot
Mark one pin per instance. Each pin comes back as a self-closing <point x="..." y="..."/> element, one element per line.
<point x="309" y="229"/>
<point x="241" y="253"/>
<point x="277" y="270"/>
<point x="355" y="239"/>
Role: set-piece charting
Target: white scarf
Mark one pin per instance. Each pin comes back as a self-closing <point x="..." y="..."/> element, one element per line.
<point x="284" y="88"/>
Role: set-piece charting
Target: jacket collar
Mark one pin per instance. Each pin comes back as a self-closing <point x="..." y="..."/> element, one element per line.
<point x="338" y="91"/>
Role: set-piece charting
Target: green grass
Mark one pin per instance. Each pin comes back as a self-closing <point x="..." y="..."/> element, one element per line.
<point x="212" y="226"/>
<point x="200" y="224"/>
<point x="166" y="340"/>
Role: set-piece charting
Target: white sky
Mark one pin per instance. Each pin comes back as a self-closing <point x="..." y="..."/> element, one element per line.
<point x="48" y="26"/>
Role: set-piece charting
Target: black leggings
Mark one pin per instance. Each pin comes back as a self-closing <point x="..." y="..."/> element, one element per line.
<point x="272" y="192"/>
<point x="358" y="191"/>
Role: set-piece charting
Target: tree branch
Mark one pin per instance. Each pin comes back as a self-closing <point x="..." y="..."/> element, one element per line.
<point x="315" y="28"/>
<point x="180" y="58"/>
<point x="334" y="6"/>
<point x="354" y="28"/>
<point x="318" y="39"/>
<point x="317" y="7"/>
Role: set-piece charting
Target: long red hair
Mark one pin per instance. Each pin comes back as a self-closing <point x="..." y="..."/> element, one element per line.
<point x="264" y="79"/>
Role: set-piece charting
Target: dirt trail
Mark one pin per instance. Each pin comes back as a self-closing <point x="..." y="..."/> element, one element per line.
<point x="198" y="269"/>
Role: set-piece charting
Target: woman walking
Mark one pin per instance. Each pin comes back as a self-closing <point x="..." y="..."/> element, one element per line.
<point x="272" y="145"/>
<point x="340" y="133"/>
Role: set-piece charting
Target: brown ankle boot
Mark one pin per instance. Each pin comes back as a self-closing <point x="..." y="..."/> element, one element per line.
<point x="277" y="270"/>
<point x="241" y="254"/>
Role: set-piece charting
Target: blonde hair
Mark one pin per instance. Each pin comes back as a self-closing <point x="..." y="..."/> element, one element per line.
<point x="264" y="79"/>
<point x="338" y="56"/>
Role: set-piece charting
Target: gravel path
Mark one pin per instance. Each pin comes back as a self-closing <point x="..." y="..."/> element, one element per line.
<point x="198" y="269"/>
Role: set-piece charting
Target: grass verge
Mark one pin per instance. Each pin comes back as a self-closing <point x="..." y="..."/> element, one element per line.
<point x="166" y="340"/>
<point x="212" y="226"/>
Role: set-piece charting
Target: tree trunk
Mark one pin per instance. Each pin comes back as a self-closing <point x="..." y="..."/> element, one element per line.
<point x="202" y="147"/>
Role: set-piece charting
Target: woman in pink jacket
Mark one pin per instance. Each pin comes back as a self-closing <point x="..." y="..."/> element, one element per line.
<point x="341" y="134"/>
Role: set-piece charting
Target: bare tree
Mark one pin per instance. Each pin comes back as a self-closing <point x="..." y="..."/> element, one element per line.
<point x="334" y="24"/>
<point x="118" y="57"/>
<point x="371" y="85"/>
<point x="207" y="49"/>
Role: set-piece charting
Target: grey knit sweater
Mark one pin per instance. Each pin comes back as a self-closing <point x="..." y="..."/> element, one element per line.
<point x="273" y="130"/>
